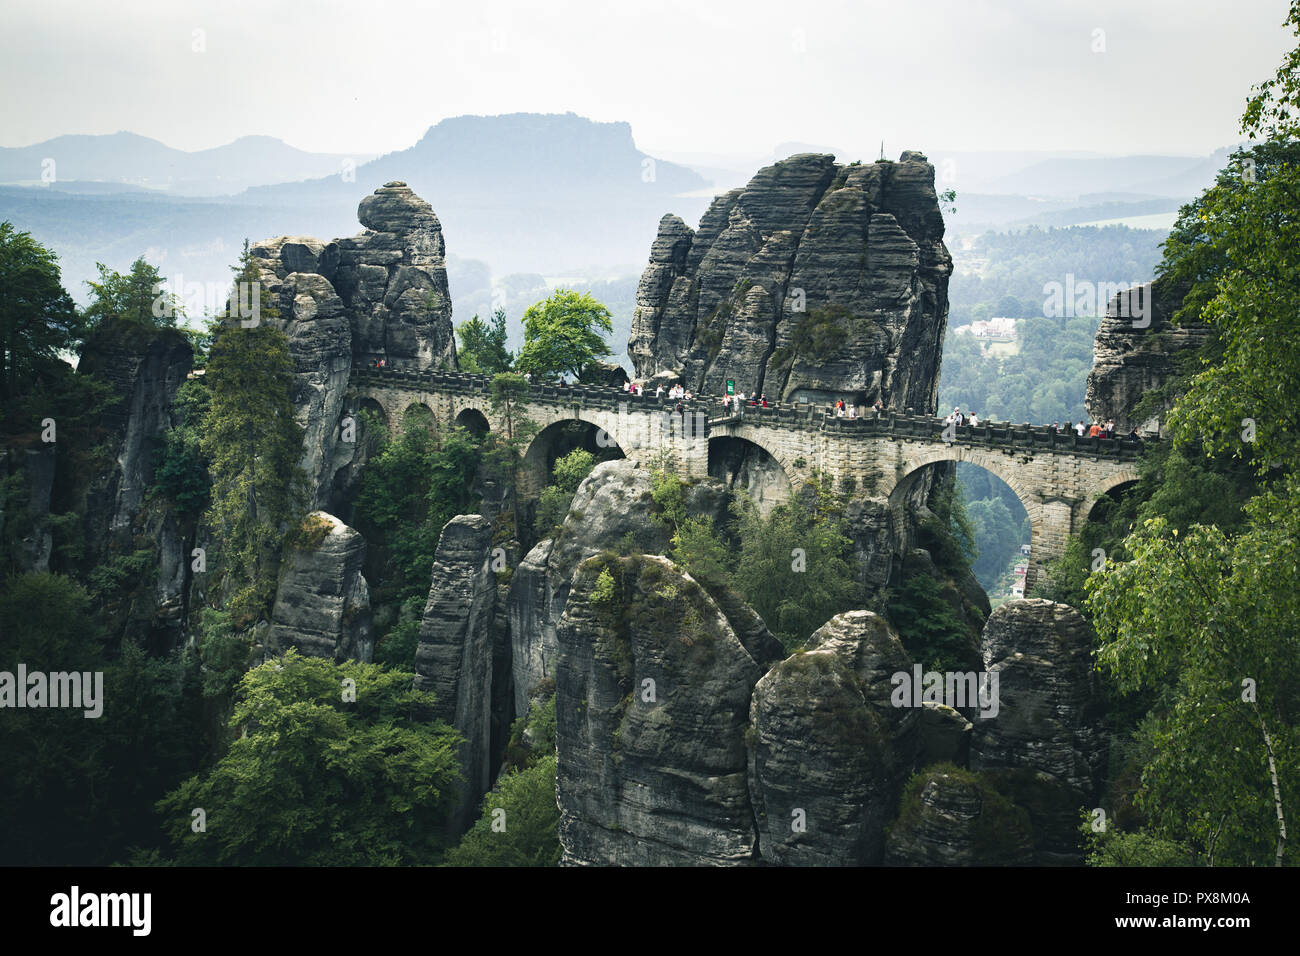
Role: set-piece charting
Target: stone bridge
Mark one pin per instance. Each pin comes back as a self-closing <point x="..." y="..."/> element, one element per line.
<point x="1058" y="478"/>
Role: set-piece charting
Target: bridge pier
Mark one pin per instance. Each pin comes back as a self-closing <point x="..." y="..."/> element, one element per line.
<point x="1049" y="535"/>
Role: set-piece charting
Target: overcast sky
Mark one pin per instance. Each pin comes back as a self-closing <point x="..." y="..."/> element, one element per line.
<point x="701" y="76"/>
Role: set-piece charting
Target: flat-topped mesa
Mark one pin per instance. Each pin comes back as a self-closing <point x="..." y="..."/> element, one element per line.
<point x="391" y="279"/>
<point x="815" y="281"/>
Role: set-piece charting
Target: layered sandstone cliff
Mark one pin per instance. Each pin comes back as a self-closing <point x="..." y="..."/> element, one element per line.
<point x="815" y="281"/>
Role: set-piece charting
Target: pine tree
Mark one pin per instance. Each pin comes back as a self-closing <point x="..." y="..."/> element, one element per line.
<point x="254" y="445"/>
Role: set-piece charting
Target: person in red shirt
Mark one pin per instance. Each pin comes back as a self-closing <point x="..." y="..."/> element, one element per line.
<point x="1094" y="431"/>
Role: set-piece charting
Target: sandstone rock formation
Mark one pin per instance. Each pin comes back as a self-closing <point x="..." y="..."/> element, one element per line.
<point x="612" y="506"/>
<point x="322" y="605"/>
<point x="1049" y="712"/>
<point x="145" y="368"/>
<point x="454" y="656"/>
<point x="1049" y="719"/>
<point x="829" y="753"/>
<point x="816" y="280"/>
<point x="1131" y="361"/>
<point x="950" y="817"/>
<point x="380" y="294"/>
<point x="653" y="690"/>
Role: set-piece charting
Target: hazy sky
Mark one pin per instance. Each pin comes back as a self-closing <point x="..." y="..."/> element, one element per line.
<point x="701" y="76"/>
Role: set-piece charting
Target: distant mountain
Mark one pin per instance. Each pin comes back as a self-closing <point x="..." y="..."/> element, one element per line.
<point x="130" y="160"/>
<point x="526" y="192"/>
<point x="1176" y="176"/>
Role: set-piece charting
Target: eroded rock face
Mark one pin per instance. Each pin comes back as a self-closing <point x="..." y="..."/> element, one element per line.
<point x="1049" y="720"/>
<point x="652" y="705"/>
<point x="380" y="294"/>
<point x="816" y="280"/>
<point x="828" y="753"/>
<point x="320" y="342"/>
<point x="613" y="503"/>
<point x="454" y="659"/>
<point x="322" y="606"/>
<point x="955" y="818"/>
<point x="1049" y="712"/>
<point x="145" y="368"/>
<point x="1130" y="360"/>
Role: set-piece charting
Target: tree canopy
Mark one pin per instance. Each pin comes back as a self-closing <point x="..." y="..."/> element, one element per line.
<point x="136" y="297"/>
<point x="333" y="765"/>
<point x="37" y="316"/>
<point x="483" y="345"/>
<point x="563" y="335"/>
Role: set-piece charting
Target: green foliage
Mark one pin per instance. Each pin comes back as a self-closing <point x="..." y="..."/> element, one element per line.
<point x="1194" y="616"/>
<point x="1174" y="484"/>
<point x="396" y="649"/>
<point x="181" y="471"/>
<point x="553" y="503"/>
<point x="946" y="530"/>
<point x="37" y="317"/>
<point x="572" y="469"/>
<point x="533" y="737"/>
<point x="223" y="651"/>
<point x="483" y="346"/>
<point x="530" y="820"/>
<point x="136" y="298"/>
<point x="83" y="788"/>
<point x="698" y="547"/>
<point x="1115" y="847"/>
<point x="602" y="595"/>
<point x="1043" y="383"/>
<point x="1234" y="246"/>
<point x="409" y="490"/>
<point x="793" y="603"/>
<point x="562" y="336"/>
<point x="821" y="333"/>
<point x="253" y="443"/>
<point x="315" y="780"/>
<point x="932" y="629"/>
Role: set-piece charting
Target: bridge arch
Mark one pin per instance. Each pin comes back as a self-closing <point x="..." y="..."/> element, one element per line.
<point x="996" y="463"/>
<point x="1103" y="491"/>
<point x="1044" y="544"/>
<point x="474" y="421"/>
<point x="373" y="409"/>
<point x="560" y="437"/>
<point x="418" y="413"/>
<point x="744" y="464"/>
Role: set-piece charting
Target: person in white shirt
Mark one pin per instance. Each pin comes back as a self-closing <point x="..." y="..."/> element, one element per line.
<point x="974" y="419"/>
<point x="1080" y="428"/>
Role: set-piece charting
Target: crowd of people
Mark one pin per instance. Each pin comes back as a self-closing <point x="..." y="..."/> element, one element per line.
<point x="736" y="404"/>
<point x="1082" y="429"/>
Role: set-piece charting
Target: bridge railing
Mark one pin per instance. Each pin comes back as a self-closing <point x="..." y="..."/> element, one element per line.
<point x="793" y="415"/>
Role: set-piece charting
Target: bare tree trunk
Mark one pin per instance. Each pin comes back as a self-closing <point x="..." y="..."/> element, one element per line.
<point x="1277" y="791"/>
